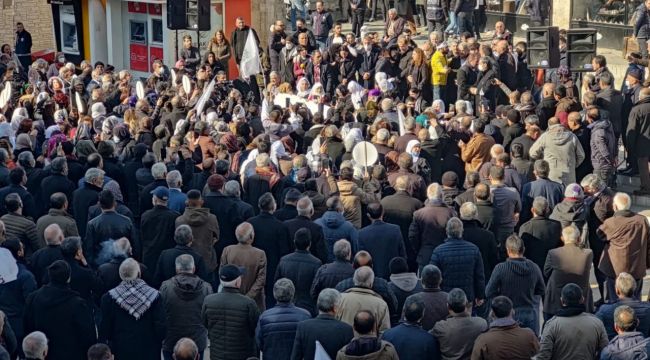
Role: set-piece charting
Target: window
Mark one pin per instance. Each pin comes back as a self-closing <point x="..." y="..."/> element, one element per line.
<point x="618" y="12"/>
<point x="156" y="31"/>
<point x="69" y="40"/>
<point x="138" y="34"/>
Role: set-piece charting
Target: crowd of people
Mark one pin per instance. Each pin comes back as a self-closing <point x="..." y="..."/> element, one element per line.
<point x="188" y="211"/>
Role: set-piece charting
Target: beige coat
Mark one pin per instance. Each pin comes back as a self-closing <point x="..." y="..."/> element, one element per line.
<point x="356" y="299"/>
<point x="253" y="260"/>
<point x="477" y="151"/>
<point x="352" y="197"/>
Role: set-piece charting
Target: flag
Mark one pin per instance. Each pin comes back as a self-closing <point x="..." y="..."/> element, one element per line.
<point x="204" y="98"/>
<point x="400" y="116"/>
<point x="320" y="353"/>
<point x="250" y="59"/>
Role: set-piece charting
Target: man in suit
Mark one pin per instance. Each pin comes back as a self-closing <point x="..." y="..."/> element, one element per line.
<point x="382" y="240"/>
<point x="565" y="265"/>
<point x="305" y="210"/>
<point x="466" y="78"/>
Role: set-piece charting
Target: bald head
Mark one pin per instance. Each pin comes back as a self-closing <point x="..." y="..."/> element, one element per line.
<point x="53" y="234"/>
<point x="548" y="89"/>
<point x="305" y="207"/>
<point x="245" y="233"/>
<point x="186" y="349"/>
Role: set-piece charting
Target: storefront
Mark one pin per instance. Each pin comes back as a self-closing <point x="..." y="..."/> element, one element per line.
<point x="514" y="14"/>
<point x="614" y="21"/>
<point x="67" y="16"/>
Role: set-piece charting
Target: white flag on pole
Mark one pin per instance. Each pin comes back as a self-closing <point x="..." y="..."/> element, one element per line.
<point x="320" y="353"/>
<point x="250" y="59"/>
<point x="400" y="117"/>
<point x="207" y="92"/>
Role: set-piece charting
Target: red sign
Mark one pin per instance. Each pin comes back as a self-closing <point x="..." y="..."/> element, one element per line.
<point x="155" y="53"/>
<point x="139" y="57"/>
<point x="155" y="9"/>
<point x="136" y="7"/>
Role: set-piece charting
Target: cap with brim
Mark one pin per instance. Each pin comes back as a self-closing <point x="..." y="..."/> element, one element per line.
<point x="230" y="272"/>
<point x="161" y="193"/>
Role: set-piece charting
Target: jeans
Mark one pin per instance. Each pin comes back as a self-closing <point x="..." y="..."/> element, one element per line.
<point x="465" y="22"/>
<point x="322" y="43"/>
<point x="438" y="92"/>
<point x="452" y="28"/>
<point x="528" y="318"/>
<point x="303" y="15"/>
<point x="358" y="16"/>
<point x="168" y="355"/>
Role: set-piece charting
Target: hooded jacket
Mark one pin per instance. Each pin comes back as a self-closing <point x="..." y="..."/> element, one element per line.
<point x="573" y="211"/>
<point x="336" y="227"/>
<point x="182" y="298"/>
<point x="627" y="346"/>
<point x="205" y="230"/>
<point x="519" y="279"/>
<point x="603" y="145"/>
<point x="403" y="285"/>
<point x="563" y="152"/>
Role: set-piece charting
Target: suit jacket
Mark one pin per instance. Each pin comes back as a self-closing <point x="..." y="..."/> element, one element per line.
<point x="331" y="333"/>
<point x="384" y="242"/>
<point x="564" y="265"/>
<point x="253" y="260"/>
<point x="318" y="248"/>
<point x="465" y="78"/>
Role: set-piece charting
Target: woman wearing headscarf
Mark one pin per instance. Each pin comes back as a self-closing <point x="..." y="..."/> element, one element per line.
<point x="357" y="94"/>
<point x="23" y="143"/>
<point x="124" y="143"/>
<point x="302" y="88"/>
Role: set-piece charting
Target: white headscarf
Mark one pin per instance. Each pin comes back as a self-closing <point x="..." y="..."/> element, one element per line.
<point x="277" y="152"/>
<point x="302" y="93"/>
<point x="356" y="93"/>
<point x="409" y="149"/>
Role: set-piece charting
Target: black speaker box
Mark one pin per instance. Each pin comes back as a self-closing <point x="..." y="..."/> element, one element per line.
<point x="176" y="14"/>
<point x="543" y="47"/>
<point x="581" y="48"/>
<point x="198" y="15"/>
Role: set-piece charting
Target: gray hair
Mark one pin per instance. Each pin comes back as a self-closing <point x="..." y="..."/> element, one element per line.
<point x="71" y="245"/>
<point x="122" y="246"/>
<point x="625" y="284"/>
<point x="183" y="235"/>
<point x="159" y="170"/>
<point x="457" y="299"/>
<point x="341" y="249"/>
<point x="468" y="211"/>
<point x="27" y="158"/>
<point x="532" y="120"/>
<point x="434" y="192"/>
<point x="392" y="11"/>
<point x="35" y="345"/>
<point x="571" y="235"/>
<point x="460" y="106"/>
<point x="53" y="234"/>
<point x="184" y="264"/>
<point x="383" y="135"/>
<point x="305" y="207"/>
<point x="245" y="233"/>
<point x="262" y="159"/>
<point x="402" y="183"/>
<point x="93" y="174"/>
<point x="129" y="269"/>
<point x="431" y="276"/>
<point x="622" y="201"/>
<point x="364" y="277"/>
<point x="409" y="123"/>
<point x="592" y="181"/>
<point x="328" y="300"/>
<point x="540" y="205"/>
<point x="454" y="228"/>
<point x="4" y="156"/>
<point x="231" y="188"/>
<point x="541" y="168"/>
<point x="283" y="290"/>
<point x="174" y="179"/>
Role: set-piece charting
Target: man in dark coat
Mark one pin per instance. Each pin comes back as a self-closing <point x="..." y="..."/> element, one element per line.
<point x="17" y="181"/>
<point x="426" y="230"/>
<point x="46" y="256"/>
<point x="288" y="211"/>
<point x="276" y="328"/>
<point x="230" y="318"/>
<point x="332" y="334"/>
<point x="435" y="300"/>
<point x="629" y="343"/>
<point x="612" y="100"/>
<point x="83" y="198"/>
<point x="133" y="317"/>
<point x="57" y="181"/>
<point x="317" y="246"/>
<point x="83" y="279"/>
<point x="540" y="234"/>
<point x="474" y="232"/>
<point x="552" y="191"/>
<point x="272" y="236"/>
<point x="330" y="274"/>
<point x="62" y="315"/>
<point x="131" y="167"/>
<point x="638" y="138"/>
<point x="166" y="266"/>
<point x="382" y="240"/>
<point x="408" y="338"/>
<point x="157" y="228"/>
<point x="108" y="226"/>
<point x="276" y="43"/>
<point x="546" y="108"/>
<point x="300" y="267"/>
<point x="159" y="173"/>
<point x="466" y="77"/>
<point x="109" y="272"/>
<point x="238" y="38"/>
<point x="625" y="287"/>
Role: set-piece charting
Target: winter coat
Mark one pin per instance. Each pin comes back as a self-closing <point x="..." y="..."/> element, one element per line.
<point x="205" y="230"/>
<point x="109" y="273"/>
<point x="412" y="342"/>
<point x="552" y="191"/>
<point x="540" y="235"/>
<point x="558" y="338"/>
<point x="638" y="128"/>
<point x="627" y="346"/>
<point x="356" y="299"/>
<point x="29" y="207"/>
<point x="330" y="275"/>
<point x="399" y="209"/>
<point x="254" y="261"/>
<point x="477" y="151"/>
<point x="230" y="318"/>
<point x="59" y="217"/>
<point x="53" y="184"/>
<point x="461" y="265"/>
<point x="383" y="351"/>
<point x="402" y="285"/>
<point x="276" y="330"/>
<point x="108" y="226"/>
<point x="230" y="212"/>
<point x="642" y="23"/>
<point x="604" y="145"/>
<point x="82" y="200"/>
<point x="42" y="259"/>
<point x="182" y="298"/>
<point x="130" y="338"/>
<point x="324" y="328"/>
<point x="626" y="249"/>
<point x="641" y="309"/>
<point x="379" y="286"/>
<point x="145" y="197"/>
<point x="384" y="242"/>
<point x="563" y="152"/>
<point x="336" y="227"/>
<point x="505" y="340"/>
<point x="427" y="230"/>
<point x="435" y="306"/>
<point x="612" y="100"/>
<point x="546" y="110"/>
<point x="519" y="279"/>
<point x="485" y="241"/>
<point x="22" y="228"/>
<point x="300" y="267"/>
<point x="65" y="318"/>
<point x="565" y="265"/>
<point x="352" y="198"/>
<point x="166" y="265"/>
<point x="13" y="296"/>
<point x="457" y="334"/>
<point x="572" y="212"/>
<point x="157" y="228"/>
<point x="318" y="248"/>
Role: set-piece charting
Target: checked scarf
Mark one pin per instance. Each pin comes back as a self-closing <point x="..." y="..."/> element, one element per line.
<point x="134" y="296"/>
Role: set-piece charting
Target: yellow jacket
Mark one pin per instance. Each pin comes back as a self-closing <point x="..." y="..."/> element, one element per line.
<point x="438" y="65"/>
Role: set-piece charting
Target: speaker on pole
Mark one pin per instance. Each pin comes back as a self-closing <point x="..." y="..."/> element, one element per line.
<point x="176" y="14"/>
<point x="198" y="15"/>
<point x="581" y="47"/>
<point x="543" y="47"/>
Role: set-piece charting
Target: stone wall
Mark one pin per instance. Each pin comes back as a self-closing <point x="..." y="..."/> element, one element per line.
<point x="263" y="15"/>
<point x="37" y="17"/>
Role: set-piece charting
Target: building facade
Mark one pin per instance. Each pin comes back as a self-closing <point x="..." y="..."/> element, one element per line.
<point x="37" y="17"/>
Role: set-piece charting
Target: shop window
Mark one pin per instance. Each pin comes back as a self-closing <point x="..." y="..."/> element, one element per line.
<point x="68" y="27"/>
<point x="508" y="6"/>
<point x="156" y="31"/>
<point x="138" y="34"/>
<point x="618" y="12"/>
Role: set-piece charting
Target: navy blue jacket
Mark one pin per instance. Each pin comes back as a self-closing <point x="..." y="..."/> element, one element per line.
<point x="461" y="265"/>
<point x="412" y="342"/>
<point x="276" y="330"/>
<point x="627" y="346"/>
<point x="384" y="242"/>
<point x="641" y="309"/>
<point x="552" y="191"/>
<point x="331" y="333"/>
<point x="13" y="296"/>
<point x="29" y="206"/>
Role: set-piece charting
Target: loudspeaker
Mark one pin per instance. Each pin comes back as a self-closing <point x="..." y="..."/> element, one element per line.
<point x="176" y="14"/>
<point x="543" y="47"/>
<point x="198" y="15"/>
<point x="581" y="47"/>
